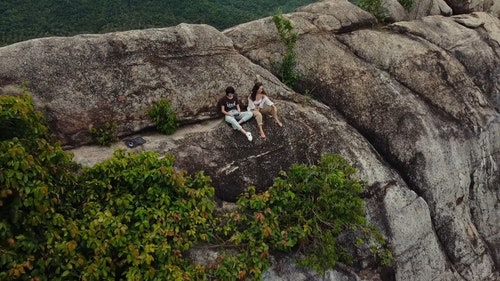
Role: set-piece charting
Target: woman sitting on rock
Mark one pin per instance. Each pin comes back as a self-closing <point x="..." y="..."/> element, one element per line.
<point x="259" y="103"/>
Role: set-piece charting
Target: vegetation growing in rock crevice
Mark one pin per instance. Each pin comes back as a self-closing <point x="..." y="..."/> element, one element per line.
<point x="105" y="135"/>
<point x="374" y="7"/>
<point x="286" y="68"/>
<point x="134" y="217"/>
<point x="407" y="4"/>
<point x="164" y="117"/>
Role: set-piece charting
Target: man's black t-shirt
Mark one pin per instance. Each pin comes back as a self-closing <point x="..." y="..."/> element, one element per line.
<point x="229" y="104"/>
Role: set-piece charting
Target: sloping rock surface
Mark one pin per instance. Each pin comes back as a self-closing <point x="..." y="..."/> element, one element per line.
<point x="414" y="106"/>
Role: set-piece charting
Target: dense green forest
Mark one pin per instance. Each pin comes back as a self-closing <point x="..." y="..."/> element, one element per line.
<point x="27" y="19"/>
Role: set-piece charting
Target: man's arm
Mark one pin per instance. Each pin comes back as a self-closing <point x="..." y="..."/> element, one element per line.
<point x="223" y="110"/>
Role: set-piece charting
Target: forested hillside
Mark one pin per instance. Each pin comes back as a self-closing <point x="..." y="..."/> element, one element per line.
<point x="26" y="19"/>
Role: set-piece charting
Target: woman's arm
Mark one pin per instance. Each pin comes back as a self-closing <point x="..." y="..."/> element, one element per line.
<point x="267" y="101"/>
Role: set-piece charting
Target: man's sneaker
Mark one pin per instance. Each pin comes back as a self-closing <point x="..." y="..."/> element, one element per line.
<point x="249" y="136"/>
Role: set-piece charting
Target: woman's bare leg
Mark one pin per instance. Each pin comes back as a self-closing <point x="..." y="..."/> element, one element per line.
<point x="258" y="118"/>
<point x="275" y="116"/>
<point x="261" y="132"/>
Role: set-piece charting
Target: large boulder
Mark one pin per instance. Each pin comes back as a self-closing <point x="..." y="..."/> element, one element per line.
<point x="88" y="80"/>
<point x="427" y="100"/>
<point x="469" y="6"/>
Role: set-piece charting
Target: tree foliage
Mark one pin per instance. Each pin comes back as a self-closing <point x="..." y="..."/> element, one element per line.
<point x="135" y="217"/>
<point x="139" y="217"/>
<point x="35" y="176"/>
<point x="22" y="20"/>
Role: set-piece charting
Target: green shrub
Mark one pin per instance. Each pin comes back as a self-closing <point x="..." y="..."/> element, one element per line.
<point x="407" y="4"/>
<point x="35" y="176"/>
<point x="164" y="117"/>
<point x="374" y="7"/>
<point x="286" y="69"/>
<point x="140" y="217"/>
<point x="308" y="208"/>
<point x="19" y="119"/>
<point x="104" y="136"/>
<point x="134" y="217"/>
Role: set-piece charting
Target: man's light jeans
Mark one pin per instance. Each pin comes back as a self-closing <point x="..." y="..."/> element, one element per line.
<point x="245" y="116"/>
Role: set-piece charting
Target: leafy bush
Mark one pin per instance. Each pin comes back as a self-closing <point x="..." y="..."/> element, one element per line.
<point x="134" y="217"/>
<point x="164" y="117"/>
<point x="374" y="7"/>
<point x="19" y="119"/>
<point x="34" y="178"/>
<point x="307" y="209"/>
<point x="104" y="136"/>
<point x="407" y="4"/>
<point x="139" y="217"/>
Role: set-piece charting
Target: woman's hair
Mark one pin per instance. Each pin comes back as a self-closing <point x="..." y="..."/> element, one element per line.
<point x="254" y="90"/>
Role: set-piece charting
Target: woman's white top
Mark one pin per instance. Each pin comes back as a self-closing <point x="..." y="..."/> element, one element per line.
<point x="259" y="103"/>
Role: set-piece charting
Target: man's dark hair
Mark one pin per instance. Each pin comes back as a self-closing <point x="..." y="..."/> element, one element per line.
<point x="229" y="90"/>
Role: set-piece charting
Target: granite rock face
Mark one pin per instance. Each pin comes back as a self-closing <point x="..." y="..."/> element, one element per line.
<point x="414" y="106"/>
<point x="116" y="77"/>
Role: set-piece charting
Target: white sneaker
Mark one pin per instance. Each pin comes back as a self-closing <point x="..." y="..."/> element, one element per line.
<point x="249" y="136"/>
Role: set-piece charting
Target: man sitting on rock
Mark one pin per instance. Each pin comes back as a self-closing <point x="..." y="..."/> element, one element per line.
<point x="232" y="113"/>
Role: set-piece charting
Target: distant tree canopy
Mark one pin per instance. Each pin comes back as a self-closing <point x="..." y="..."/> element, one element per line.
<point x="22" y="19"/>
